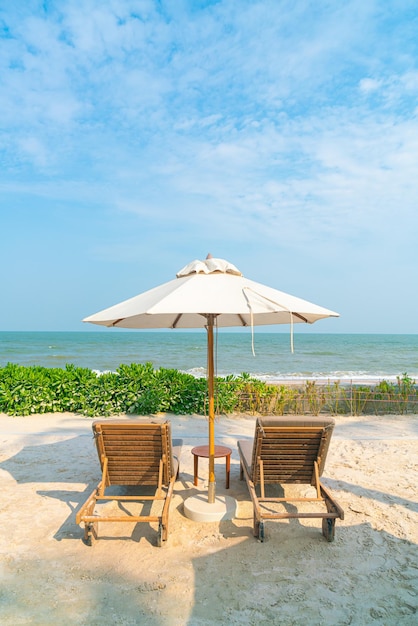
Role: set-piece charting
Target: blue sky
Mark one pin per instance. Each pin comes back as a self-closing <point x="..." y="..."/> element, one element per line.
<point x="136" y="136"/>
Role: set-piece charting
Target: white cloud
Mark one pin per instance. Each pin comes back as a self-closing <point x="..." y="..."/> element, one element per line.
<point x="291" y="124"/>
<point x="368" y="85"/>
<point x="35" y="151"/>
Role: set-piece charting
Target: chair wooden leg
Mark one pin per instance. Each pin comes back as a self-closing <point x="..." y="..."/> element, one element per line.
<point x="328" y="528"/>
<point x="256" y="526"/>
<point x="90" y="533"/>
<point x="162" y="535"/>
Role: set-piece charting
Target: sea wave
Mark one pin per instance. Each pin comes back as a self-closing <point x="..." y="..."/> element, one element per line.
<point x="349" y="377"/>
<point x="356" y="378"/>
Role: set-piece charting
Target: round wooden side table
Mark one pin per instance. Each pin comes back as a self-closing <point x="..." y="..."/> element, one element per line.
<point x="220" y="451"/>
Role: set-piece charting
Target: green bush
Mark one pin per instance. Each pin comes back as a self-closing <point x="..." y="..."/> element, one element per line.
<point x="140" y="389"/>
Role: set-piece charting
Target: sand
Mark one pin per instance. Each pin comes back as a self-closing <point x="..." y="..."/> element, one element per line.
<point x="208" y="573"/>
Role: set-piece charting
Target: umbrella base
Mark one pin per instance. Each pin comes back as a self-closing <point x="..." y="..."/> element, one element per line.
<point x="198" y="509"/>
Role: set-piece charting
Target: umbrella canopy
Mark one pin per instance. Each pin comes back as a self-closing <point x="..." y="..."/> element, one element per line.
<point x="210" y="287"/>
<point x="205" y="294"/>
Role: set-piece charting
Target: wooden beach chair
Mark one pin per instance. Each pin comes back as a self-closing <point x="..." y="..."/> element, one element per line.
<point x="288" y="450"/>
<point x="133" y="453"/>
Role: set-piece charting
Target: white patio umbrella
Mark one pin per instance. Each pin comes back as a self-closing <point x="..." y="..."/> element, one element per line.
<point x="207" y="294"/>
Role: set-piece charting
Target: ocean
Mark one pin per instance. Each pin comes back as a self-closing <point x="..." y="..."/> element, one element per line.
<point x="345" y="357"/>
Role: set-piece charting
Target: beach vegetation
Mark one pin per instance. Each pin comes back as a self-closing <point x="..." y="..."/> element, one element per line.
<point x="244" y="394"/>
<point x="139" y="389"/>
<point x="359" y="395"/>
<point x="336" y="398"/>
<point x="406" y="387"/>
<point x="315" y="397"/>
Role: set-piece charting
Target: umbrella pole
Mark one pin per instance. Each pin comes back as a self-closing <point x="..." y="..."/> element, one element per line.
<point x="211" y="376"/>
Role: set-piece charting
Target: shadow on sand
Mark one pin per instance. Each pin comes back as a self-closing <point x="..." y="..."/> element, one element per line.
<point x="367" y="576"/>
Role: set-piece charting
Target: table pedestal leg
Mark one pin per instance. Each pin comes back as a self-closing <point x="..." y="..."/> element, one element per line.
<point x="196" y="462"/>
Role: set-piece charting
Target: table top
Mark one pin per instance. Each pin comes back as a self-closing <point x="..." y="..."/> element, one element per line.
<point x="204" y="451"/>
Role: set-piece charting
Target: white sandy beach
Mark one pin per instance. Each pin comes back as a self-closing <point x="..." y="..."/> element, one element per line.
<point x="209" y="573"/>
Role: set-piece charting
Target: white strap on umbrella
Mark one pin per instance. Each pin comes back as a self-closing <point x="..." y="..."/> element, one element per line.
<point x="252" y="317"/>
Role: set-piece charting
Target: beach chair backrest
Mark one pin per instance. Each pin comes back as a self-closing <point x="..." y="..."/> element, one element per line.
<point x="133" y="450"/>
<point x="288" y="448"/>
